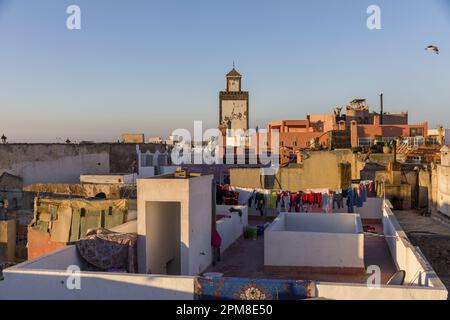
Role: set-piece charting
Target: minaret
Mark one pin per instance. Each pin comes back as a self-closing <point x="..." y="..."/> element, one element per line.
<point x="234" y="103"/>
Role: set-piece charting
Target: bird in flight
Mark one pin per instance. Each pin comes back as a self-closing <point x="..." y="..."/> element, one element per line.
<point x="432" y="49"/>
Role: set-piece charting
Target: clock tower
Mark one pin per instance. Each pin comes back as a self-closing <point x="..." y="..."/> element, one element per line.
<point x="233" y="106"/>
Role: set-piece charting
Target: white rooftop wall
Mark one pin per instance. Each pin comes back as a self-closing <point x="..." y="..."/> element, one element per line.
<point x="324" y="223"/>
<point x="314" y="241"/>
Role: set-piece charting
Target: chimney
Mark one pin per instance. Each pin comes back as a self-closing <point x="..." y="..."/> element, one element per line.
<point x="354" y="134"/>
<point x="382" y="108"/>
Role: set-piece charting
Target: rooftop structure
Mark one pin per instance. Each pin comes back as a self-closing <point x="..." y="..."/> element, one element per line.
<point x="58" y="222"/>
<point x="116" y="178"/>
<point x="294" y="240"/>
<point x="178" y="267"/>
<point x="133" y="138"/>
<point x="174" y="224"/>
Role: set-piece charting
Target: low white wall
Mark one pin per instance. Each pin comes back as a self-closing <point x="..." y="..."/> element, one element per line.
<point x="312" y="249"/>
<point x="443" y="189"/>
<point x="146" y="172"/>
<point x="345" y="291"/>
<point x="407" y="257"/>
<point x="51" y="285"/>
<point x="372" y="209"/>
<point x="166" y="169"/>
<point x="267" y="212"/>
<point x="232" y="226"/>
<point x="58" y="260"/>
<point x="324" y="223"/>
<point x="47" y="277"/>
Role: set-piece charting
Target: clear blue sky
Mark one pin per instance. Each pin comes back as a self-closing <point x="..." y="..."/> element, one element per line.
<point x="153" y="66"/>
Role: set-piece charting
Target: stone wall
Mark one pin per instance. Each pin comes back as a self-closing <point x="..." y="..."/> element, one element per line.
<point x="7" y="241"/>
<point x="321" y="169"/>
<point x="64" y="163"/>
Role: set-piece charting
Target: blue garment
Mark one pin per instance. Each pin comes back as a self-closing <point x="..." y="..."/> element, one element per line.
<point x="364" y="193"/>
<point x="358" y="200"/>
<point x="350" y="201"/>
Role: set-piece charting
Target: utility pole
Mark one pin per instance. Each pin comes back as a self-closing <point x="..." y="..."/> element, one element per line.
<point x="381" y="108"/>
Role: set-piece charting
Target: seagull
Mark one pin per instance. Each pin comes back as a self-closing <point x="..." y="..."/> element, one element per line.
<point x="433" y="49"/>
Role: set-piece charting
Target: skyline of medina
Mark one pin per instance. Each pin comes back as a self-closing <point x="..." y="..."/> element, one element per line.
<point x="155" y="66"/>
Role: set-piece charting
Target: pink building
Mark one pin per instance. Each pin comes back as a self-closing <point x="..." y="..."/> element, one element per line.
<point x="365" y="134"/>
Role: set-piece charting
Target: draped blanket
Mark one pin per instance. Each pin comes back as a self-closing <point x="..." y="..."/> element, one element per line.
<point x="109" y="251"/>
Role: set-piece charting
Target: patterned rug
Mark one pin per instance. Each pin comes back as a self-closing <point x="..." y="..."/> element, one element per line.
<point x="252" y="289"/>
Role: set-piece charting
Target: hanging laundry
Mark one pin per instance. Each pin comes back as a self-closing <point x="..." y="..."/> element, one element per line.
<point x="299" y="202"/>
<point x="357" y="198"/>
<point x="250" y="200"/>
<point x="338" y="200"/>
<point x="244" y="195"/>
<point x="364" y="193"/>
<point x="260" y="202"/>
<point x="272" y="200"/>
<point x="350" y="200"/>
<point x="325" y="202"/>
<point x="318" y="199"/>
<point x="293" y="202"/>
<point x="345" y="193"/>
<point x="286" y="199"/>
<point x="278" y="202"/>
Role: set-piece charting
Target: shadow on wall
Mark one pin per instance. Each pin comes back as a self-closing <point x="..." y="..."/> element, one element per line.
<point x="176" y="265"/>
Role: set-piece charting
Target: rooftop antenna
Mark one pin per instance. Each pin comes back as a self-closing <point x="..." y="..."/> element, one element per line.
<point x="234" y="65"/>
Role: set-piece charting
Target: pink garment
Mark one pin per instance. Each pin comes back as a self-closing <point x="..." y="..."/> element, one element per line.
<point x="216" y="240"/>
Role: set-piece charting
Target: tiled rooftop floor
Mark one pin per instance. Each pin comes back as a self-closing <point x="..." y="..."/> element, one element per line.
<point x="245" y="259"/>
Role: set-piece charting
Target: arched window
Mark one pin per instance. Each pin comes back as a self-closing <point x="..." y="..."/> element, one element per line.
<point x="101" y="195"/>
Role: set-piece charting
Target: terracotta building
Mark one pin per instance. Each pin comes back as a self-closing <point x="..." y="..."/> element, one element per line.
<point x="365" y="134"/>
<point x="300" y="134"/>
<point x="359" y="126"/>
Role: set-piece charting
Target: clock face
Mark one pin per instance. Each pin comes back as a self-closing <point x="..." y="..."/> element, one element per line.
<point x="233" y="85"/>
<point x="234" y="114"/>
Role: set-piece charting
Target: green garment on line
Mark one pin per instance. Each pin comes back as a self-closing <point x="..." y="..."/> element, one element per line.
<point x="272" y="201"/>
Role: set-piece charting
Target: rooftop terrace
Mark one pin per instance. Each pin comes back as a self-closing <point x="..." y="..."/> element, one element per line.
<point x="245" y="259"/>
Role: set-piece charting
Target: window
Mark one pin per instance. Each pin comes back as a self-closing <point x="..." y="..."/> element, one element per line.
<point x="416" y="132"/>
<point x="161" y="160"/>
<point x="146" y="160"/>
<point x="100" y="195"/>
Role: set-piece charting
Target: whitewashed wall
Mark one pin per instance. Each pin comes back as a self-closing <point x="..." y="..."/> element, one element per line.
<point x="311" y="249"/>
<point x="443" y="192"/>
<point x="231" y="228"/>
<point x="407" y="257"/>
